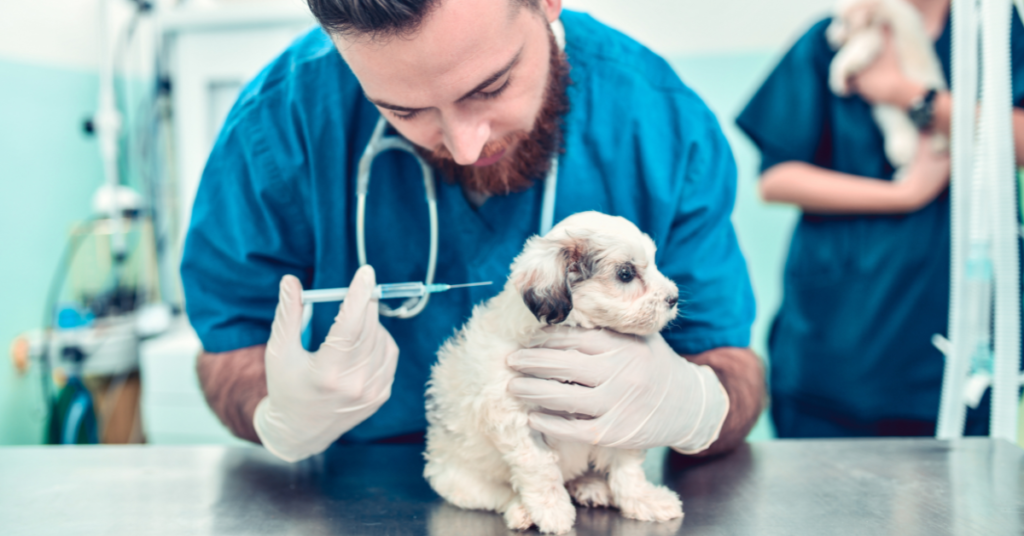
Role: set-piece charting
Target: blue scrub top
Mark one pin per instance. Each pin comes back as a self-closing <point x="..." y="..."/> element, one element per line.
<point x="863" y="294"/>
<point x="278" y="197"/>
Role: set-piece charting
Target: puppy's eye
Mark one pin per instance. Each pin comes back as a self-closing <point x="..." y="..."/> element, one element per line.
<point x="626" y="273"/>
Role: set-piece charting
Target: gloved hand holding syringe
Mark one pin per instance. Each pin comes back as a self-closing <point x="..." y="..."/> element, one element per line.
<point x="315" y="397"/>
<point x="381" y="292"/>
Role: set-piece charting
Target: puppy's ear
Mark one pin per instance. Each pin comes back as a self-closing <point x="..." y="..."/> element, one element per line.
<point x="545" y="272"/>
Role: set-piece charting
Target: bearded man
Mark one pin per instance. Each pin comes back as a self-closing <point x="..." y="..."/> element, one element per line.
<point x="526" y="113"/>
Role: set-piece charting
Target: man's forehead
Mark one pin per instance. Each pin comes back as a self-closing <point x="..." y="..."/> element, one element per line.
<point x="457" y="42"/>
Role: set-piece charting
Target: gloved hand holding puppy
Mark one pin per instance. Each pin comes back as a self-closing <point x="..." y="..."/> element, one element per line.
<point x="620" y="391"/>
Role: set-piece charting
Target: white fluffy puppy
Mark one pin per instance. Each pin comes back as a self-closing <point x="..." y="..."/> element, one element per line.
<point x="857" y="32"/>
<point x="592" y="271"/>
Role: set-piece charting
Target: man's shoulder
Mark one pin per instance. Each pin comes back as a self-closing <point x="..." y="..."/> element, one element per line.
<point x="619" y="79"/>
<point x="612" y="55"/>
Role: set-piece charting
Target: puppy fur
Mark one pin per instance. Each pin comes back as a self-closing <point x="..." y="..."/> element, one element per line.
<point x="480" y="452"/>
<point x="857" y="33"/>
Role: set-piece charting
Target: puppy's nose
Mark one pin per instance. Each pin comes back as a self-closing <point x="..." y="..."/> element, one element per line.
<point x="672" y="301"/>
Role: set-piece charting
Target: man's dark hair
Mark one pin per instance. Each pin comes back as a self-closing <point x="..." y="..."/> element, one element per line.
<point x="379" y="18"/>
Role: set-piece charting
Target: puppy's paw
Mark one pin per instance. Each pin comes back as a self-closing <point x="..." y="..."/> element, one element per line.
<point x="658" y="503"/>
<point x="900" y="148"/>
<point x="555" y="516"/>
<point x="590" y="490"/>
<point x="839" y="81"/>
<point x="516" y="516"/>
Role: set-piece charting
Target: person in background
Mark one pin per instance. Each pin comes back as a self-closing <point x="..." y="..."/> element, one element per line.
<point x="866" y="283"/>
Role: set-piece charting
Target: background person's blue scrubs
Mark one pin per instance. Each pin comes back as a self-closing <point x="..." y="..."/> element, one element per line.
<point x="850" y="348"/>
<point x="278" y="197"/>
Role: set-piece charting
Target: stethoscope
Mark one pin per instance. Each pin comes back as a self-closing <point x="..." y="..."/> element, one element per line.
<point x="380" y="143"/>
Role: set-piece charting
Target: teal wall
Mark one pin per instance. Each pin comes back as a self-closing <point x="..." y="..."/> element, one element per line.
<point x="48" y="172"/>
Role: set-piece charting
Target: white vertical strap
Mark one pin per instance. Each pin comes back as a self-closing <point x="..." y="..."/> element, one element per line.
<point x="965" y="90"/>
<point x="547" y="207"/>
<point x="996" y="110"/>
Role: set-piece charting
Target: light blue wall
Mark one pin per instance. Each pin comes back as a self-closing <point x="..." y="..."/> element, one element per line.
<point x="48" y="172"/>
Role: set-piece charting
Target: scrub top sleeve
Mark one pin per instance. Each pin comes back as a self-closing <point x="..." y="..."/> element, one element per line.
<point x="247" y="232"/>
<point x="701" y="253"/>
<point x="786" y="117"/>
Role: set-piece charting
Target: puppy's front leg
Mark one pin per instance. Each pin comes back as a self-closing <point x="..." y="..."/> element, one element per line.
<point x="537" y="480"/>
<point x="899" y="133"/>
<point x="634" y="495"/>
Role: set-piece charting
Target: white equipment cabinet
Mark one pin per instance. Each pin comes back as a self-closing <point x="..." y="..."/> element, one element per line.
<point x="213" y="50"/>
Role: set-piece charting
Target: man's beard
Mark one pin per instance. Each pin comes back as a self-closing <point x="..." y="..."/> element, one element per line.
<point x="531" y="152"/>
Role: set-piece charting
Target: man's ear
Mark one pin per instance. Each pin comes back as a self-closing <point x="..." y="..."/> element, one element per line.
<point x="545" y="273"/>
<point x="551" y="9"/>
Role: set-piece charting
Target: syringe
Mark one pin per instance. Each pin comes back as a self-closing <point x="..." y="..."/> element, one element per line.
<point x="384" y="292"/>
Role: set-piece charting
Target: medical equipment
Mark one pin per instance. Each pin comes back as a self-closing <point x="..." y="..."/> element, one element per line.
<point x="985" y="271"/>
<point x="385" y="291"/>
<point x="380" y="143"/>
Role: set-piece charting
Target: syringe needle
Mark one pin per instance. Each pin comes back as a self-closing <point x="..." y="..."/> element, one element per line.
<point x="462" y="285"/>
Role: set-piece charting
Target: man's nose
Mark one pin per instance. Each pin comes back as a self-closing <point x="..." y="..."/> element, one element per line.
<point x="465" y="139"/>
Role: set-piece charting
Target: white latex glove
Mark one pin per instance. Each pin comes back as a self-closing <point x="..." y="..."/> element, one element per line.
<point x="315" y="397"/>
<point x="638" y="392"/>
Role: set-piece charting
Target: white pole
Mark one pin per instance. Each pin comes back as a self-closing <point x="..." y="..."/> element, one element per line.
<point x="996" y="109"/>
<point x="964" y="88"/>
<point x="107" y="126"/>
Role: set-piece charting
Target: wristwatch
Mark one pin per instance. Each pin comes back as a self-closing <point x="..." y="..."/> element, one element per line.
<point x="922" y="111"/>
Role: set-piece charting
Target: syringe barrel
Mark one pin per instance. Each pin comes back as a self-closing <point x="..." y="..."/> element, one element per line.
<point x="401" y="290"/>
<point x="324" y="295"/>
<point x="384" y="292"/>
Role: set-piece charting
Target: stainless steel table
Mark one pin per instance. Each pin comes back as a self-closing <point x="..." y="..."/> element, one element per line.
<point x="850" y="487"/>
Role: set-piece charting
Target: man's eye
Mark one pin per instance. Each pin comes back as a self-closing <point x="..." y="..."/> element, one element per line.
<point x="496" y="92"/>
<point x="405" y="116"/>
<point x="626" y="273"/>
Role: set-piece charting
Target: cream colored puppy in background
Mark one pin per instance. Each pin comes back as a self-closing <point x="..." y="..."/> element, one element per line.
<point x="858" y="33"/>
<point x="591" y="271"/>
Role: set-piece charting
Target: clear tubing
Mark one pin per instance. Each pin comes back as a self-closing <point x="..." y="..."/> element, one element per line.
<point x="964" y="89"/>
<point x="996" y="110"/>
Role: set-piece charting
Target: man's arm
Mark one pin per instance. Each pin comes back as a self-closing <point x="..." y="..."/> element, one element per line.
<point x="234" y="383"/>
<point x="742" y="375"/>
